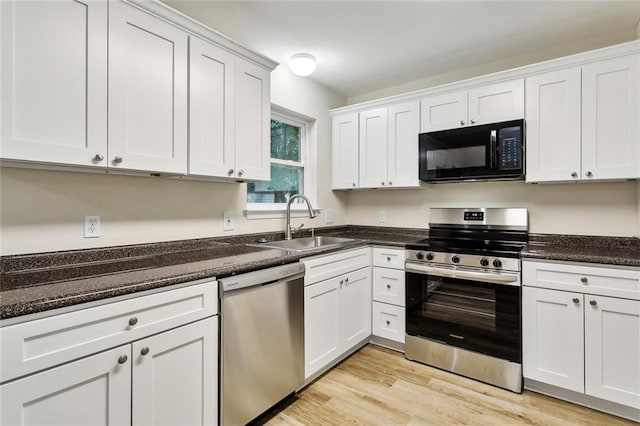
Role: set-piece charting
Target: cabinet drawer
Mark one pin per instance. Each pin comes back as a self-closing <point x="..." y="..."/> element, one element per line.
<point x="388" y="257"/>
<point x="388" y="286"/>
<point x="324" y="267"/>
<point x="43" y="343"/>
<point x="388" y="321"/>
<point x="592" y="279"/>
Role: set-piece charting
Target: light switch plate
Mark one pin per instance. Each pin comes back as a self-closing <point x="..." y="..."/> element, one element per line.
<point x="382" y="216"/>
<point x="229" y="221"/>
<point x="92" y="226"/>
<point x="328" y="216"/>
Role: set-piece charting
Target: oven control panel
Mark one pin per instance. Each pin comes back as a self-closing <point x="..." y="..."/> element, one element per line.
<point x="463" y="260"/>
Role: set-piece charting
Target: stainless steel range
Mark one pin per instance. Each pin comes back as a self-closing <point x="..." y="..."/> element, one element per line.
<point x="463" y="294"/>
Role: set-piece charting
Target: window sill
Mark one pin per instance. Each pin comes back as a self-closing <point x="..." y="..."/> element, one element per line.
<point x="277" y="213"/>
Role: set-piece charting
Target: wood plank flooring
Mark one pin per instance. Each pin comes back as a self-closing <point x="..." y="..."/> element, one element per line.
<point x="377" y="386"/>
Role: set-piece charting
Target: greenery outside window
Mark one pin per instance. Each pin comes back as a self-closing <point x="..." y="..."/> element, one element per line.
<point x="288" y="167"/>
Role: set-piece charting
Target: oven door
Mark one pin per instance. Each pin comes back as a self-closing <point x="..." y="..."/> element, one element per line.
<point x="462" y="309"/>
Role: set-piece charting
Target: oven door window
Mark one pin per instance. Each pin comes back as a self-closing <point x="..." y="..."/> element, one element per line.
<point x="478" y="316"/>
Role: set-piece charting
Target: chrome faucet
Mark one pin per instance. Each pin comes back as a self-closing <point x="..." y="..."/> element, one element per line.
<point x="287" y="231"/>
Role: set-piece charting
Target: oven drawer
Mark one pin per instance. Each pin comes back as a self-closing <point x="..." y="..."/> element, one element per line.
<point x="388" y="257"/>
<point x="388" y="321"/>
<point x="583" y="278"/>
<point x="388" y="286"/>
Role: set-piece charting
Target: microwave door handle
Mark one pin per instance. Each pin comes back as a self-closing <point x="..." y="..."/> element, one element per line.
<point x="493" y="149"/>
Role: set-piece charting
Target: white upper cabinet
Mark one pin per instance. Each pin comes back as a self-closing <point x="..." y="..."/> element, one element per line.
<point x="481" y="105"/>
<point x="402" y="145"/>
<point x="373" y="148"/>
<point x="54" y="81"/>
<point x="582" y="122"/>
<point x="211" y="109"/>
<point x="611" y="119"/>
<point x="147" y="92"/>
<point x="252" y="121"/>
<point x="344" y="131"/>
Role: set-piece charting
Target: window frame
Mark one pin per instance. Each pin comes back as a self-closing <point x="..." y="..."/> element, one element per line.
<point x="307" y="155"/>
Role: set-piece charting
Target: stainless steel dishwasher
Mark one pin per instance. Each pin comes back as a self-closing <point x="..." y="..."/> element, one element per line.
<point x="262" y="340"/>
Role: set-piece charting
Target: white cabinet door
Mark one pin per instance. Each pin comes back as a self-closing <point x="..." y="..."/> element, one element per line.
<point x="388" y="321"/>
<point x="321" y="325"/>
<point x="54" y="81"/>
<point x="211" y="110"/>
<point x="553" y="110"/>
<point x="373" y="148"/>
<point x="253" y="118"/>
<point x="175" y="376"/>
<point x="91" y="391"/>
<point x="402" y="144"/>
<point x="388" y="286"/>
<point x="344" y="129"/>
<point x="552" y="337"/>
<point x="147" y="92"/>
<point x="611" y="119"/>
<point x="612" y="349"/>
<point x="496" y="102"/>
<point x="448" y="111"/>
<point x="355" y="308"/>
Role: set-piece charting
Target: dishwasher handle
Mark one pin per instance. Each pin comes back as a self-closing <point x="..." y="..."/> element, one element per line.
<point x="261" y="277"/>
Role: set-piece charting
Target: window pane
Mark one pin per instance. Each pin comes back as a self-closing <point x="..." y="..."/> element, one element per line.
<point x="285" y="141"/>
<point x="285" y="181"/>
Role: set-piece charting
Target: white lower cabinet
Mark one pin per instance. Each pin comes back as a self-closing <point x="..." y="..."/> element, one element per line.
<point x="580" y="341"/>
<point x="337" y="310"/>
<point x="388" y="294"/>
<point x="170" y="377"/>
<point x="388" y="321"/>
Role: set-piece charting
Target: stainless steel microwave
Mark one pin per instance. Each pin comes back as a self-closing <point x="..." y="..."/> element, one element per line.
<point x="486" y="152"/>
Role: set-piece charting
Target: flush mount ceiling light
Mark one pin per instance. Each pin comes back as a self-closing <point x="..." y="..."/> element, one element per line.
<point x="302" y="64"/>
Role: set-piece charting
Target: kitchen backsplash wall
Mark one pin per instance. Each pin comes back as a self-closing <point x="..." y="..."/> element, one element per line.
<point x="584" y="209"/>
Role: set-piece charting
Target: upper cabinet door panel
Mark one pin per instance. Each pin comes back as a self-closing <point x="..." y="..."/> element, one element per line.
<point x="553" y="126"/>
<point x="441" y="112"/>
<point x="211" y="102"/>
<point x="344" y="129"/>
<point x="253" y="118"/>
<point x="496" y="102"/>
<point x="58" y="115"/>
<point x="147" y="92"/>
<point x="611" y="118"/>
<point x="404" y="127"/>
<point x="373" y="148"/>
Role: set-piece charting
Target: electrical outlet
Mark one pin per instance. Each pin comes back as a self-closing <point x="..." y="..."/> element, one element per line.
<point x="382" y="216"/>
<point x="229" y="221"/>
<point x="328" y="216"/>
<point x="91" y="226"/>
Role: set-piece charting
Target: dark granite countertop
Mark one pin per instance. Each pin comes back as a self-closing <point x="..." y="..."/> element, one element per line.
<point x="43" y="281"/>
<point x="588" y="249"/>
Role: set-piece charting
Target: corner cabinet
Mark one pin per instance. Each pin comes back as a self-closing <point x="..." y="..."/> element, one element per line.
<point x="583" y="123"/>
<point x="160" y="365"/>
<point x="581" y="331"/>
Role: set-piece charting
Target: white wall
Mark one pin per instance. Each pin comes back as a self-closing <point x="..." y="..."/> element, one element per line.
<point x="44" y="210"/>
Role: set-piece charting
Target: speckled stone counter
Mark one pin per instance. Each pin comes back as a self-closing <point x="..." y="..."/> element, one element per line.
<point x="588" y="249"/>
<point x="39" y="282"/>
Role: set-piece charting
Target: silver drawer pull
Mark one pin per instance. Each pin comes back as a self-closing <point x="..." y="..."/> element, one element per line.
<point x="122" y="359"/>
<point x="388" y="286"/>
<point x="576" y="300"/>
<point x="593" y="302"/>
<point x="144" y="351"/>
<point x="388" y="322"/>
<point x="584" y="280"/>
<point x="133" y="321"/>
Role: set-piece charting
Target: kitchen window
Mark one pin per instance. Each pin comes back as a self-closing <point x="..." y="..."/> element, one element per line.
<point x="290" y="171"/>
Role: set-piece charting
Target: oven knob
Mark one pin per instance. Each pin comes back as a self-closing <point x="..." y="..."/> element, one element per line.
<point x="420" y="255"/>
<point x="484" y="261"/>
<point x="430" y="256"/>
<point x="497" y="263"/>
<point x="455" y="259"/>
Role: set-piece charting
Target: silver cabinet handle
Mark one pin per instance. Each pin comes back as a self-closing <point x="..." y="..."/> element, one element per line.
<point x="593" y="302"/>
<point x="390" y="183"/>
<point x="382" y="183"/>
<point x="388" y="322"/>
<point x="346" y="280"/>
<point x="574" y="175"/>
<point x="122" y="359"/>
<point x="118" y="160"/>
<point x="230" y="172"/>
<point x="241" y="172"/>
<point x="354" y="184"/>
<point x="388" y="259"/>
<point x="133" y="321"/>
<point x="589" y="174"/>
<point x="388" y="286"/>
<point x="576" y="300"/>
<point x="473" y="121"/>
<point x="144" y="351"/>
<point x="341" y="282"/>
<point x="584" y="280"/>
<point x="462" y="122"/>
<point x="98" y="158"/>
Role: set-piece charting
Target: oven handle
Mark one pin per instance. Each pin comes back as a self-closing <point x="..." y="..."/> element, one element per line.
<point x="506" y="279"/>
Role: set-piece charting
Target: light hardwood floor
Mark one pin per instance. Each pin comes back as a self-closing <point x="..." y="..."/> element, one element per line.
<point x="377" y="386"/>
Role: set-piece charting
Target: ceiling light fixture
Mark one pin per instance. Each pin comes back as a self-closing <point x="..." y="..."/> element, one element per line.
<point x="302" y="64"/>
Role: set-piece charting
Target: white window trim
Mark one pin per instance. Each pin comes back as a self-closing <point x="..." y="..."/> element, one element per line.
<point x="308" y="161"/>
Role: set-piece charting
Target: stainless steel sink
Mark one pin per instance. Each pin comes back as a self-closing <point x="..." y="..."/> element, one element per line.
<point x="307" y="243"/>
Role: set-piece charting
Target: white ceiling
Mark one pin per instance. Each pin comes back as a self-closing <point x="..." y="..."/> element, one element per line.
<point x="362" y="46"/>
